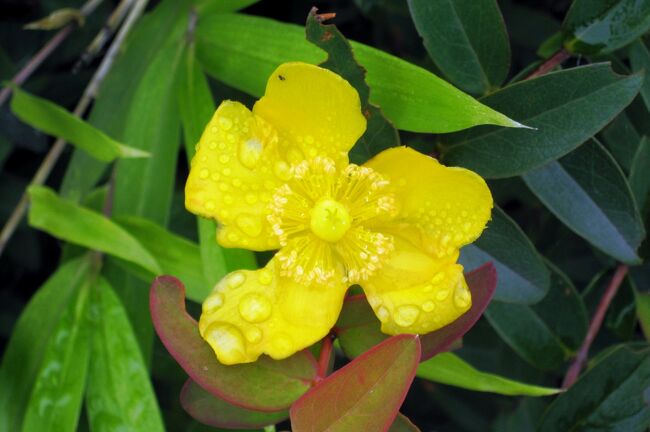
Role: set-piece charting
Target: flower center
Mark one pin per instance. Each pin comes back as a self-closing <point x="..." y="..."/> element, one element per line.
<point x="326" y="221"/>
<point x="330" y="220"/>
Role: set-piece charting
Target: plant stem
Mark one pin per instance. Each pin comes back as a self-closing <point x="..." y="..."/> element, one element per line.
<point x="45" y="52"/>
<point x="324" y="358"/>
<point x="88" y="96"/>
<point x="551" y="63"/>
<point x="574" y="370"/>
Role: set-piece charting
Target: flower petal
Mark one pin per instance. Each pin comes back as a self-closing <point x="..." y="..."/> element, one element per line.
<point x="260" y="312"/>
<point x="236" y="168"/>
<point x="450" y="205"/>
<point x="313" y="108"/>
<point x="417" y="293"/>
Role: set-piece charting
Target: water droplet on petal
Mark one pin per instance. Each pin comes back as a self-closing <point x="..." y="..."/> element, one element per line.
<point x="282" y="346"/>
<point x="282" y="170"/>
<point x="235" y="279"/>
<point x="227" y="342"/>
<point x="255" y="308"/>
<point x="254" y="335"/>
<point x="209" y="205"/>
<point x="213" y="302"/>
<point x="250" y="225"/>
<point x="250" y="152"/>
<point x="438" y="277"/>
<point x="428" y="306"/>
<point x="265" y="277"/>
<point x="225" y="123"/>
<point x="442" y="294"/>
<point x="383" y="314"/>
<point x="204" y="173"/>
<point x="406" y="315"/>
<point x="462" y="296"/>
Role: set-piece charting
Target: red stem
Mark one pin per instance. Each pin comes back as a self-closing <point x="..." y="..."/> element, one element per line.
<point x="580" y="360"/>
<point x="550" y="63"/>
<point x="324" y="358"/>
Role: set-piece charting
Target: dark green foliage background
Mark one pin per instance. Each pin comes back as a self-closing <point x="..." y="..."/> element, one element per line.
<point x="571" y="194"/>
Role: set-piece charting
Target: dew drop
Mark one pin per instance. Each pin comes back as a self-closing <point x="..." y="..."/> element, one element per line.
<point x="227" y="342"/>
<point x="383" y="314"/>
<point x="282" y="170"/>
<point x="250" y="225"/>
<point x="442" y="294"/>
<point x="254" y="335"/>
<point x="235" y="280"/>
<point x="428" y="306"/>
<point x="462" y="296"/>
<point x="204" y="173"/>
<point x="209" y="205"/>
<point x="225" y="123"/>
<point x="250" y="152"/>
<point x="282" y="346"/>
<point x="406" y="315"/>
<point x="438" y="277"/>
<point x="224" y="158"/>
<point x="255" y="308"/>
<point x="212" y="145"/>
<point x="226" y="171"/>
<point x="213" y="302"/>
<point x="265" y="277"/>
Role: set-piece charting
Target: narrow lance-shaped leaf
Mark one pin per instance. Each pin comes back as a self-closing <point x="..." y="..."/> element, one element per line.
<point x="55" y="403"/>
<point x="55" y="120"/>
<point x="196" y="107"/>
<point x="380" y="133"/>
<point x="411" y="97"/>
<point x="366" y="394"/>
<point x="237" y="384"/>
<point x="25" y="351"/>
<point x="214" y="411"/>
<point x="522" y="276"/>
<point x="609" y="396"/>
<point x="640" y="60"/>
<point x="602" y="26"/>
<point x="76" y="224"/>
<point x="466" y="39"/>
<point x="639" y="178"/>
<point x="448" y="368"/>
<point x="119" y="394"/>
<point x="561" y="120"/>
<point x="589" y="193"/>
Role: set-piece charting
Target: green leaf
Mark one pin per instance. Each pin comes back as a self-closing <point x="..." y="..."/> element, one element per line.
<point x="176" y="255"/>
<point x="639" y="178"/>
<point x="222" y="6"/>
<point x="640" y="61"/>
<point x="466" y="39"/>
<point x="448" y="368"/>
<point x="603" y="26"/>
<point x="610" y="396"/>
<point x="588" y="192"/>
<point x="113" y="106"/>
<point x="403" y="424"/>
<point x="214" y="411"/>
<point x="522" y="276"/>
<point x="562" y="120"/>
<point x="380" y="133"/>
<point x="54" y="120"/>
<point x="76" y="224"/>
<point x="411" y="97"/>
<point x="622" y="140"/>
<point x="24" y="354"/>
<point x="196" y="107"/>
<point x="237" y="384"/>
<point x="364" y="395"/>
<point x="643" y="312"/>
<point x="55" y="403"/>
<point x="119" y="394"/>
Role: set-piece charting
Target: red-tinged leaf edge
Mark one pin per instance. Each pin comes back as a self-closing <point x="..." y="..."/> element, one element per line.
<point x="388" y="344"/>
<point x="210" y="410"/>
<point x="482" y="283"/>
<point x="403" y="424"/>
<point x="237" y="384"/>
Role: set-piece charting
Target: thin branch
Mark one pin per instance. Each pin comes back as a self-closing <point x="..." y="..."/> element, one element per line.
<point x="86" y="99"/>
<point x="574" y="370"/>
<point x="551" y="63"/>
<point x="45" y="52"/>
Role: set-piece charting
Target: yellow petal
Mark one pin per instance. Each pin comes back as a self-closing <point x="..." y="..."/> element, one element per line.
<point x="250" y="313"/>
<point x="450" y="205"/>
<point x="233" y="175"/>
<point x="416" y="293"/>
<point x="313" y="108"/>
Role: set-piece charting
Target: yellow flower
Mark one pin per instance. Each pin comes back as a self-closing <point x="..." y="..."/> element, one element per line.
<point x="279" y="178"/>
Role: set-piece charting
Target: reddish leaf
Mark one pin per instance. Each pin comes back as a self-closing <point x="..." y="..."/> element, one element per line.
<point x="265" y="385"/>
<point x="214" y="411"/>
<point x="364" y="395"/>
<point x="403" y="424"/>
<point x="358" y="328"/>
